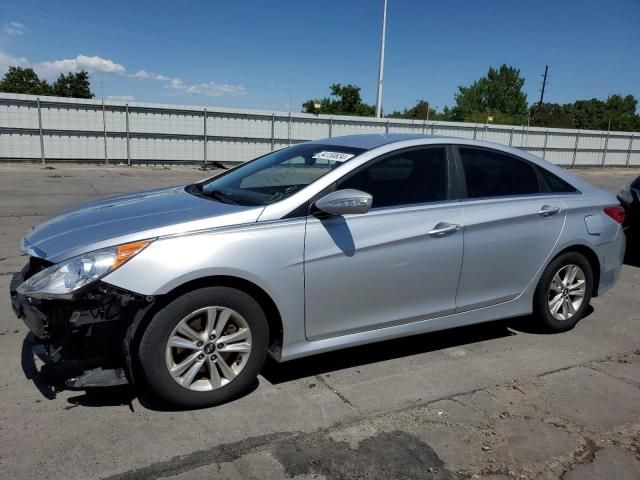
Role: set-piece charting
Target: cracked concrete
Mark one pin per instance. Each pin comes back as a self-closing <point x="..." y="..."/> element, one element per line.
<point x="495" y="401"/>
<point x="495" y="432"/>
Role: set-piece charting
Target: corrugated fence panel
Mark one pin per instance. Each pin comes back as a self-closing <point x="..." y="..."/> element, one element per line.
<point x="74" y="130"/>
<point x="18" y="116"/>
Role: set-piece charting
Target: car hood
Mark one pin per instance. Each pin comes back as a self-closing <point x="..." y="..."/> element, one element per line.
<point x="130" y="217"/>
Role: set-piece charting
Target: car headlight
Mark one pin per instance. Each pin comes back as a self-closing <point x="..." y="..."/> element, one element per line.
<point x="64" y="278"/>
<point x="625" y="195"/>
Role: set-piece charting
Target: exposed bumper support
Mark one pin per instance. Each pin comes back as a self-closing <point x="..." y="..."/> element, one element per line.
<point x="89" y="332"/>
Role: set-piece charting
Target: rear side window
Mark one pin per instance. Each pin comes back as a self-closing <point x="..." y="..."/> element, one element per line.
<point x="491" y="174"/>
<point x="415" y="176"/>
<point x="555" y="184"/>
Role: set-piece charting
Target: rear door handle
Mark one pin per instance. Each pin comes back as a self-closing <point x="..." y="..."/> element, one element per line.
<point x="548" y="211"/>
<point x="443" y="229"/>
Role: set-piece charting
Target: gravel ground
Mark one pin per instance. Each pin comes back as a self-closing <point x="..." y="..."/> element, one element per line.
<point x="495" y="401"/>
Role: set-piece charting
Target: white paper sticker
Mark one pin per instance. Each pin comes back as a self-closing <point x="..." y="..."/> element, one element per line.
<point x="333" y="156"/>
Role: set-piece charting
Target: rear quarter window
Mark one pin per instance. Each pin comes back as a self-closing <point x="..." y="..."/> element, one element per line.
<point x="555" y="184"/>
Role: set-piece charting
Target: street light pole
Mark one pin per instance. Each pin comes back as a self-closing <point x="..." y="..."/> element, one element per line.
<point x="381" y="66"/>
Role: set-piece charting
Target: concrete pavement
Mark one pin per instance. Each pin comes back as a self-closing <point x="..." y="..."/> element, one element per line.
<point x="499" y="400"/>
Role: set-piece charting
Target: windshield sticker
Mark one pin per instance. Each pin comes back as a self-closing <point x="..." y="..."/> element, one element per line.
<point x="333" y="156"/>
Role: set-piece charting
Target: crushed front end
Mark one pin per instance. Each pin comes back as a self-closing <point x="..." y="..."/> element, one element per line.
<point x="85" y="335"/>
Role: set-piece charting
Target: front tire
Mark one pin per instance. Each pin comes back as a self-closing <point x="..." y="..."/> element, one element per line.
<point x="564" y="291"/>
<point x="204" y="348"/>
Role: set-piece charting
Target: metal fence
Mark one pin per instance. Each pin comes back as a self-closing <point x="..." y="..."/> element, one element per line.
<point x="52" y="129"/>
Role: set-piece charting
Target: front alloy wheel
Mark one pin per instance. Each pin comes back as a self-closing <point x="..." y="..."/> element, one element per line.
<point x="205" y="347"/>
<point x="208" y="348"/>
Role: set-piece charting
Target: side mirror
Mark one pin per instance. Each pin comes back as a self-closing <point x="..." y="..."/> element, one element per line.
<point x="343" y="202"/>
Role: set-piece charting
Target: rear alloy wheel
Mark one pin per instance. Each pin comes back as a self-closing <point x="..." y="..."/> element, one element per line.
<point x="564" y="291"/>
<point x="205" y="347"/>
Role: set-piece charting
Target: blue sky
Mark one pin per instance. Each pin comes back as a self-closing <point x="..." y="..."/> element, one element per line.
<point x="256" y="54"/>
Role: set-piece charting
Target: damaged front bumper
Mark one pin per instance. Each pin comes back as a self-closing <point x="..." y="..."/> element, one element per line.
<point x="89" y="335"/>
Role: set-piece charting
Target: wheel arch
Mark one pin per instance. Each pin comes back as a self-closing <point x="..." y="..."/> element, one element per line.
<point x="591" y="257"/>
<point x="265" y="301"/>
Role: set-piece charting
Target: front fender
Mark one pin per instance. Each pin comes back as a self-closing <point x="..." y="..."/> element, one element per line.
<point x="269" y="255"/>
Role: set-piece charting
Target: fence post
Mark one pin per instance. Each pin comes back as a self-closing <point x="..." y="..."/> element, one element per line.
<point x="544" y="148"/>
<point x="575" y="150"/>
<point x="104" y="131"/>
<point x="386" y="128"/>
<point x="126" y="113"/>
<point x="511" y="137"/>
<point x="604" y="152"/>
<point x="273" y="131"/>
<point x="331" y="127"/>
<point x="629" y="151"/>
<point x="205" y="136"/>
<point x="475" y="132"/>
<point x="40" y="129"/>
<point x="433" y="128"/>
<point x="289" y="123"/>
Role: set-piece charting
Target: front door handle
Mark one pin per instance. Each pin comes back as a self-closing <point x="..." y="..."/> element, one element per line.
<point x="548" y="211"/>
<point x="443" y="229"/>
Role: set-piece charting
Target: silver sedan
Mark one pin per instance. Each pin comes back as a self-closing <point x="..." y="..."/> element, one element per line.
<point x="316" y="247"/>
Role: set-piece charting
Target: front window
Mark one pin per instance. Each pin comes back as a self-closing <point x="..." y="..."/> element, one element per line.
<point x="407" y="178"/>
<point x="277" y="175"/>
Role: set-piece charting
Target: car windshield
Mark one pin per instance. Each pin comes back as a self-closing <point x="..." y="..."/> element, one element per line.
<point x="275" y="176"/>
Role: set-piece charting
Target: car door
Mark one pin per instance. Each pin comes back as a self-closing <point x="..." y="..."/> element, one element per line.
<point x="511" y="226"/>
<point x="398" y="263"/>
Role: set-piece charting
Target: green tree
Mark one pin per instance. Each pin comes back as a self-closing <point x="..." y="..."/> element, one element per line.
<point x="24" y="80"/>
<point x="420" y="111"/>
<point x="74" y="85"/>
<point x="595" y="114"/>
<point x="343" y="100"/>
<point x="551" y="115"/>
<point x="499" y="94"/>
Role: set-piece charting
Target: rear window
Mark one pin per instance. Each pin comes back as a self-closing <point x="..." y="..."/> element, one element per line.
<point x="491" y="174"/>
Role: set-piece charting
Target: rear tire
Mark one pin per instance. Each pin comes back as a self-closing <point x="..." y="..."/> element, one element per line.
<point x="564" y="291"/>
<point x="183" y="348"/>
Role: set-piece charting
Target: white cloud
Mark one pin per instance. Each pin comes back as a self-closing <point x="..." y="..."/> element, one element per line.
<point x="49" y="69"/>
<point x="7" y="61"/>
<point x="178" y="87"/>
<point x="141" y="74"/>
<point x="210" y="89"/>
<point x="144" y="75"/>
<point x="123" y="98"/>
<point x="14" y="28"/>
<point x="81" y="62"/>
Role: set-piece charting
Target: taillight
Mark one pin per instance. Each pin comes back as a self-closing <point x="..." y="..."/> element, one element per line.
<point x="617" y="213"/>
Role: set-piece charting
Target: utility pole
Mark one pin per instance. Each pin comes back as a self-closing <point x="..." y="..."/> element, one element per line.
<point x="381" y="66"/>
<point x="544" y="85"/>
<point x="104" y="122"/>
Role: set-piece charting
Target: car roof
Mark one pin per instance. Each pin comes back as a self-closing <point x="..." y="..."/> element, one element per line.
<point x="369" y="141"/>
